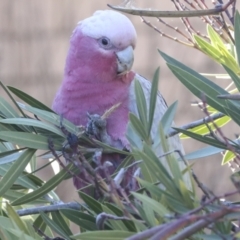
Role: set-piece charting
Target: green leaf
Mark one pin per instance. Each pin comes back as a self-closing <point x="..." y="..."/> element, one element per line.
<point x="157" y="207"/>
<point x="204" y="139"/>
<point x="15" y="170"/>
<point x="54" y="226"/>
<point x="6" y="109"/>
<point x="146" y="167"/>
<point x="16" y="219"/>
<point x="33" y="123"/>
<point x="138" y="126"/>
<point x="233" y="112"/>
<point x="93" y="204"/>
<point x="29" y="140"/>
<point x="156" y="171"/>
<point x="83" y="220"/>
<point x="233" y="76"/>
<point x="39" y="223"/>
<point x="59" y="220"/>
<point x="149" y="213"/>
<point x="153" y="98"/>
<point x="12" y="195"/>
<point x="46" y="188"/>
<point x="10" y="156"/>
<point x="141" y="103"/>
<point x="22" y="180"/>
<point x="28" y="99"/>
<point x="197" y="84"/>
<point x="203" y="152"/>
<point x="118" y="212"/>
<point x="173" y="202"/>
<point x="203" y="129"/>
<point x="116" y="224"/>
<point x="167" y="118"/>
<point x="237" y="34"/>
<point x="103" y="235"/>
<point x="219" y="54"/>
<point x="51" y="117"/>
<point x="216" y="40"/>
<point x="228" y="156"/>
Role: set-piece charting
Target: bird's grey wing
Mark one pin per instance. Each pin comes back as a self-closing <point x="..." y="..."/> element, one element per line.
<point x="160" y="109"/>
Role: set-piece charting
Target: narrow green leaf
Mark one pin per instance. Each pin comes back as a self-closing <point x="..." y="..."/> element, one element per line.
<point x="59" y="220"/>
<point x="83" y="220"/>
<point x="141" y="103"/>
<point x="54" y="226"/>
<point x="16" y="219"/>
<point x="33" y="123"/>
<point x="203" y="129"/>
<point x="204" y="139"/>
<point x="167" y="118"/>
<point x="146" y="167"/>
<point x="10" y="156"/>
<point x="173" y="202"/>
<point x="216" y="40"/>
<point x="237" y="34"/>
<point x="93" y="204"/>
<point x="22" y="180"/>
<point x="174" y="166"/>
<point x="104" y="235"/>
<point x="138" y="126"/>
<point x="118" y="212"/>
<point x="203" y="152"/>
<point x="116" y="224"/>
<point x="228" y="156"/>
<point x="46" y="188"/>
<point x="39" y="223"/>
<point x="153" y="99"/>
<point x="28" y="99"/>
<point x="6" y="109"/>
<point x="219" y="54"/>
<point x="51" y="117"/>
<point x="156" y="170"/>
<point x="232" y="75"/>
<point x="233" y="112"/>
<point x="12" y="195"/>
<point x="197" y="84"/>
<point x="11" y="97"/>
<point x="207" y="48"/>
<point x="157" y="207"/>
<point x="149" y="214"/>
<point x="15" y="170"/>
<point x="29" y="140"/>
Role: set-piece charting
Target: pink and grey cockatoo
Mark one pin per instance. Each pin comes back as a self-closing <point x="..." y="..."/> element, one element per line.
<point x="98" y="75"/>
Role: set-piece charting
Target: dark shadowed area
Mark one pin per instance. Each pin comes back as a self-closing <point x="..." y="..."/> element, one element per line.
<point x="34" y="37"/>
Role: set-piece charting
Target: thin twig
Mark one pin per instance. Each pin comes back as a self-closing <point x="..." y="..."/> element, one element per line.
<point x="196" y="123"/>
<point x="173" y="14"/>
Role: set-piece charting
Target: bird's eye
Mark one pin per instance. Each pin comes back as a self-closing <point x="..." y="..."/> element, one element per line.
<point x="105" y="42"/>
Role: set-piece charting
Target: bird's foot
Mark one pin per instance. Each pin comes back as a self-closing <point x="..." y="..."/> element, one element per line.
<point x="96" y="127"/>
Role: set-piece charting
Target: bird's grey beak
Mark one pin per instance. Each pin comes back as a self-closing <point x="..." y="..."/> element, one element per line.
<point x="124" y="60"/>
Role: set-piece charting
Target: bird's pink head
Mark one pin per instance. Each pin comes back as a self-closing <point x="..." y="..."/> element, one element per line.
<point x="101" y="47"/>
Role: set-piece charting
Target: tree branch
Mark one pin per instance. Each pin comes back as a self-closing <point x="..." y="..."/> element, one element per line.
<point x="50" y="208"/>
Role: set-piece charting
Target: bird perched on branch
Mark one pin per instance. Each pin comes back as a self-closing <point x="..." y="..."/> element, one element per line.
<point x="98" y="75"/>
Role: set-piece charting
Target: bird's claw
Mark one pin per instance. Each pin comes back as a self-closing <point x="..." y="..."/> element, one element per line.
<point x="97" y="127"/>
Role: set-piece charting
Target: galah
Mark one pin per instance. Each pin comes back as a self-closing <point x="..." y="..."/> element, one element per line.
<point x="98" y="75"/>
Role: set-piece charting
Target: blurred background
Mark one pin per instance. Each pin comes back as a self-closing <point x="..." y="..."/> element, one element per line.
<point x="34" y="38"/>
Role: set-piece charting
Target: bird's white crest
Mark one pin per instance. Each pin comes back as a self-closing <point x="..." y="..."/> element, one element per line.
<point x="111" y="24"/>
